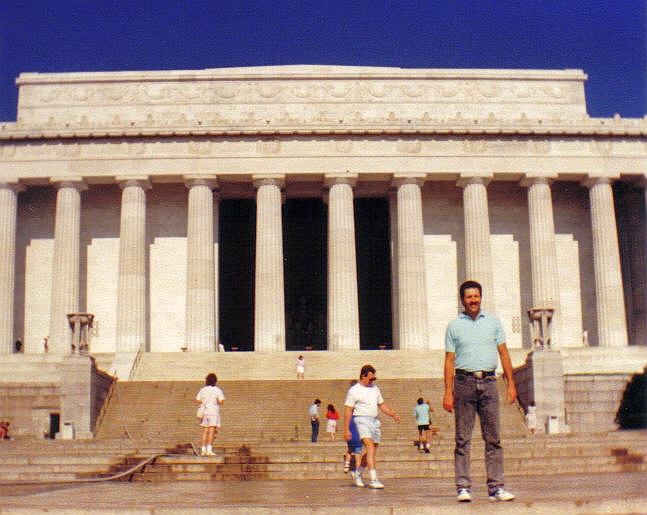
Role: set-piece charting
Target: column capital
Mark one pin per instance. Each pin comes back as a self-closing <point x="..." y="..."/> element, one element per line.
<point x="16" y="187"/>
<point x="466" y="180"/>
<point x="69" y="182"/>
<point x="340" y="178"/>
<point x="268" y="180"/>
<point x="401" y="179"/>
<point x="142" y="181"/>
<point x="530" y="180"/>
<point x="211" y="181"/>
<point x="592" y="180"/>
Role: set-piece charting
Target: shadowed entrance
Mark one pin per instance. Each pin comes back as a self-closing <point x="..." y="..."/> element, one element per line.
<point x="305" y="265"/>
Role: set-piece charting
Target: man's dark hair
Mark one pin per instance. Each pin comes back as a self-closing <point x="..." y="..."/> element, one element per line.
<point x="366" y="370"/>
<point x="470" y="284"/>
<point x="420" y="400"/>
<point x="211" y="379"/>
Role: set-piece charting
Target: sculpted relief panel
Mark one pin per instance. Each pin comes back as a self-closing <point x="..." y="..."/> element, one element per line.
<point x="291" y="101"/>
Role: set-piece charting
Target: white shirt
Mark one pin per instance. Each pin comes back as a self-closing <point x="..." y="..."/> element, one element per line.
<point x="211" y="396"/>
<point x="364" y="400"/>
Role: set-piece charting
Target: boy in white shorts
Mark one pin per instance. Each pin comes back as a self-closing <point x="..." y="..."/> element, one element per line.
<point x="363" y="401"/>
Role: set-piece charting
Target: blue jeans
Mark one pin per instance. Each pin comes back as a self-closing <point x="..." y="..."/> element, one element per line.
<point x="474" y="396"/>
<point x="315" y="430"/>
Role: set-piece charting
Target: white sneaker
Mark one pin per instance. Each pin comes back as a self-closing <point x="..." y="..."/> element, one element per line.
<point x="501" y="495"/>
<point x="464" y="495"/>
<point x="357" y="477"/>
<point x="375" y="484"/>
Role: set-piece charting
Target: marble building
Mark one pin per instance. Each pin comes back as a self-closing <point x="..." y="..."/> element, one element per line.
<point x="338" y="208"/>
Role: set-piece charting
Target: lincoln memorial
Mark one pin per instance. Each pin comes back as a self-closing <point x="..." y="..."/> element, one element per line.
<point x="331" y="209"/>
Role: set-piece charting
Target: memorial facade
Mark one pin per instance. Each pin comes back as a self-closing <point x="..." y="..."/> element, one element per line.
<point x="334" y="208"/>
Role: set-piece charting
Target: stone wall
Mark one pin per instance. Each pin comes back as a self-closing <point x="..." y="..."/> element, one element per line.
<point x="593" y="400"/>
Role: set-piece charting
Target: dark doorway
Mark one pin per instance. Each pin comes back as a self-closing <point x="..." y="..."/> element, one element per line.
<point x="236" y="274"/>
<point x="373" y="272"/>
<point x="305" y="265"/>
<point x="304" y="248"/>
<point x="54" y="424"/>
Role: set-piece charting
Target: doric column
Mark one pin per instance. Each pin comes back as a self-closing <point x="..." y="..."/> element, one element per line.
<point x="131" y="288"/>
<point x="343" y="304"/>
<point x="478" y="249"/>
<point x="412" y="291"/>
<point x="8" y="215"/>
<point x="612" y="325"/>
<point x="65" y="270"/>
<point x="269" y="294"/>
<point x="543" y="250"/>
<point x="201" y="269"/>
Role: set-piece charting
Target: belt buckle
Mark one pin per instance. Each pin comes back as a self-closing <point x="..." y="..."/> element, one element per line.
<point x="478" y="374"/>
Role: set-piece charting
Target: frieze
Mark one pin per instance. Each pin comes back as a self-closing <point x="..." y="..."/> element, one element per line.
<point x="293" y="91"/>
<point x="294" y="146"/>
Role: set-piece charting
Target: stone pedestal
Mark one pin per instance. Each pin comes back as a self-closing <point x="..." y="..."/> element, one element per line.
<point x="76" y="394"/>
<point x="546" y="375"/>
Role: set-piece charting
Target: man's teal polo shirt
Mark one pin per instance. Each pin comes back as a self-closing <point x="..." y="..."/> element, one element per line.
<point x="475" y="342"/>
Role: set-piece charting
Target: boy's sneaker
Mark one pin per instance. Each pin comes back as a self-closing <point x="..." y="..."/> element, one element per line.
<point x="375" y="483"/>
<point x="464" y="495"/>
<point x="501" y="495"/>
<point x="357" y="477"/>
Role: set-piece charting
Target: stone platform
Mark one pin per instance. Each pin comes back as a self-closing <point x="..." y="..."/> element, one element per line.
<point x="586" y="494"/>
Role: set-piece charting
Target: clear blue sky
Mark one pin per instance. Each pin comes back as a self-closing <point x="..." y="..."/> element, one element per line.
<point x="605" y="38"/>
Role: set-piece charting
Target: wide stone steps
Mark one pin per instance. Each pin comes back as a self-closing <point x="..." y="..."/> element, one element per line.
<point x="268" y="410"/>
<point x="400" y="459"/>
<point x="69" y="461"/>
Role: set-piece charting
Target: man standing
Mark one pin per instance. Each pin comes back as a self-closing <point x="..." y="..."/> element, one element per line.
<point x="362" y="403"/>
<point x="472" y="343"/>
<point x="313" y="412"/>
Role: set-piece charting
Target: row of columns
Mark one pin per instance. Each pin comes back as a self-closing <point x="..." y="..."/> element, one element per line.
<point x="343" y="310"/>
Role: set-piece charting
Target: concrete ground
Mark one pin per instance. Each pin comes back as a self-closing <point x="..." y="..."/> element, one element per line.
<point x="582" y="494"/>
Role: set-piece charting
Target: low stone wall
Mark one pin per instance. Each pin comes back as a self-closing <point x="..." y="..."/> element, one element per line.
<point x="28" y="407"/>
<point x="593" y="400"/>
<point x="33" y="389"/>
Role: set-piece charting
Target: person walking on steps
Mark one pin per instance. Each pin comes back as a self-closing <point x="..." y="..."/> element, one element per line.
<point x="422" y="413"/>
<point x="363" y="401"/>
<point x="473" y="343"/>
<point x="211" y="397"/>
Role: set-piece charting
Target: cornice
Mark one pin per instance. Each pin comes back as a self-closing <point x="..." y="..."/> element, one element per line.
<point x="602" y="128"/>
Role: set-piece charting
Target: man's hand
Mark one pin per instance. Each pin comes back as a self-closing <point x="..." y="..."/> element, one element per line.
<point x="448" y="401"/>
<point x="511" y="392"/>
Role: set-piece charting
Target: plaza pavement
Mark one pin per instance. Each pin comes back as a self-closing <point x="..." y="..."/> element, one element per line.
<point x="581" y="494"/>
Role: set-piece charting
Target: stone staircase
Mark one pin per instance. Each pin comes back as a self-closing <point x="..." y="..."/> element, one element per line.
<point x="25" y="461"/>
<point x="266" y="430"/>
<point x="269" y="411"/>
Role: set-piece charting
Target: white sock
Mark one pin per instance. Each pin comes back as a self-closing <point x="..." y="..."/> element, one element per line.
<point x="209" y="449"/>
<point x="372" y="474"/>
<point x="204" y="449"/>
